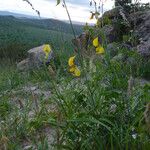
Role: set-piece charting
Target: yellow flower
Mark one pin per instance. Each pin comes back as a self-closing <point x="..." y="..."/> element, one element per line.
<point x="95" y="42"/>
<point x="72" y="69"/>
<point x="47" y="48"/>
<point x="71" y="61"/>
<point x="97" y="45"/>
<point x="100" y="50"/>
<point x="77" y="72"/>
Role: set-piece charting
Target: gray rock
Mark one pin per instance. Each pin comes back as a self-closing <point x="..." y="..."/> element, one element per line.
<point x="113" y="22"/>
<point x="28" y="147"/>
<point x="141" y="82"/>
<point x="141" y="20"/>
<point x="110" y="33"/>
<point x="37" y="91"/>
<point x="23" y="65"/>
<point x="37" y="56"/>
<point x="144" y="49"/>
<point x="35" y="59"/>
<point x="118" y="58"/>
<point x="112" y="49"/>
<point x="114" y="13"/>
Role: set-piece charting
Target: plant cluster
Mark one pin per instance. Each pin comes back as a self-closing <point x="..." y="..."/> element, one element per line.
<point x="96" y="102"/>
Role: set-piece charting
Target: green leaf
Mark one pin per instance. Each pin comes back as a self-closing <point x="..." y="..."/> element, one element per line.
<point x="58" y="2"/>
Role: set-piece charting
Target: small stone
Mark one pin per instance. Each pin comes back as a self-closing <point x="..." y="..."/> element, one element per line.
<point x="27" y="147"/>
<point x="113" y="108"/>
<point x="33" y="88"/>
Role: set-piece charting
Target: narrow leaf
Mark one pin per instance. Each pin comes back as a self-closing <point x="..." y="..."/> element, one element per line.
<point x="58" y="2"/>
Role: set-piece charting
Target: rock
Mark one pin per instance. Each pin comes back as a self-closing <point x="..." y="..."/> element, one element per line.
<point x="28" y="147"/>
<point x="23" y="65"/>
<point x="126" y="46"/>
<point x="33" y="88"/>
<point x="37" y="56"/>
<point x="118" y="58"/>
<point x="112" y="49"/>
<point x="141" y="20"/>
<point x="141" y="82"/>
<point x="112" y="23"/>
<point x="37" y="91"/>
<point x="144" y="49"/>
<point x="115" y="13"/>
<point x="109" y="32"/>
<point x="35" y="59"/>
<point x="131" y="61"/>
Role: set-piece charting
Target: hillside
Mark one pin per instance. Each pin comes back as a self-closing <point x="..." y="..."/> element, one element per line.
<point x="17" y="15"/>
<point x="20" y="34"/>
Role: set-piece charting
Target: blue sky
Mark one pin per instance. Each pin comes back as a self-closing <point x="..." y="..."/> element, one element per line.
<point x="79" y="9"/>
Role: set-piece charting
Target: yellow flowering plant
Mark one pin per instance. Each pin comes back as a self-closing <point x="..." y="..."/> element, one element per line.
<point x="98" y="46"/>
<point x="71" y="61"/>
<point x="73" y="68"/>
<point x="47" y="49"/>
<point x="95" y="42"/>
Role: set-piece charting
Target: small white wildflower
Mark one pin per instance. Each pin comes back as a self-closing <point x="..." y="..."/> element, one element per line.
<point x="134" y="135"/>
<point x="113" y="108"/>
<point x="2" y="122"/>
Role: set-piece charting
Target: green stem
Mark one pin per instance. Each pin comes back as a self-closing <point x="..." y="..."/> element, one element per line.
<point x="74" y="34"/>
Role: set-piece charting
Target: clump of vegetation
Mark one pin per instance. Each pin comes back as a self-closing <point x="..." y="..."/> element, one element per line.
<point x="95" y="102"/>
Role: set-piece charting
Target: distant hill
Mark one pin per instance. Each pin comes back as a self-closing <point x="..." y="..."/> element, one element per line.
<point x="7" y="13"/>
<point x="51" y="24"/>
<point x="18" y="15"/>
<point x="17" y="35"/>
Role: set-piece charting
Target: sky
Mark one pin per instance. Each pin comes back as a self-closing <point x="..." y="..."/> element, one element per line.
<point x="79" y="9"/>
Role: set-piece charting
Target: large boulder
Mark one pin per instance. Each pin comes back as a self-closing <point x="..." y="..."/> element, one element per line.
<point x="141" y="21"/>
<point x="115" y="13"/>
<point x="114" y="24"/>
<point x="35" y="59"/>
<point x="109" y="33"/>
